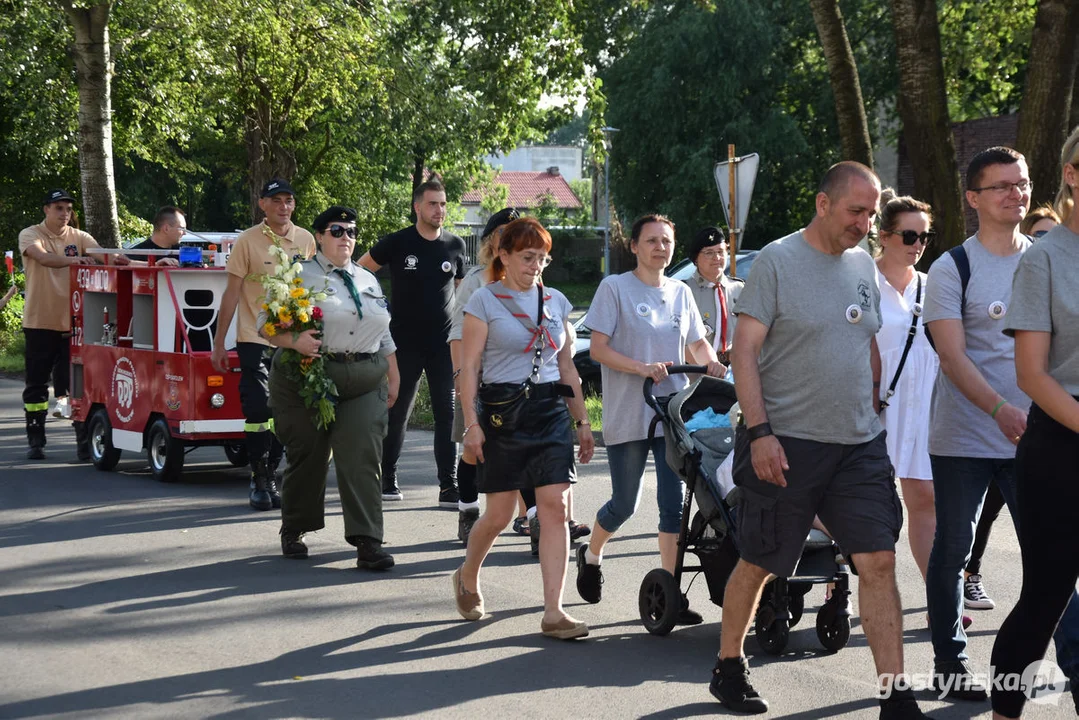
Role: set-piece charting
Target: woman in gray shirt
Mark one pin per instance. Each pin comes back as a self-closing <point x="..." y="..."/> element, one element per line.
<point x="1044" y="318"/>
<point x="517" y="333"/>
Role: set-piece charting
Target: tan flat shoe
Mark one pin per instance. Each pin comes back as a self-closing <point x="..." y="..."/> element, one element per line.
<point x="469" y="604"/>
<point x="565" y="629"/>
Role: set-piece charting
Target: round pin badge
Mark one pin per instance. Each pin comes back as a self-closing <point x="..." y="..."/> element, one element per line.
<point x="643" y="309"/>
<point x="446" y="267"/>
<point x="854" y="314"/>
<point x="997" y="309"/>
<point x="917" y="309"/>
<point x="330" y="291"/>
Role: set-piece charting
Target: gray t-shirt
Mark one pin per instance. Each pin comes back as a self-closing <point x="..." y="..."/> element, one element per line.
<point x="957" y="428"/>
<point x="648" y="324"/>
<point x="1045" y="298"/>
<point x="474" y="280"/>
<point x="822" y="312"/>
<point x="506" y="357"/>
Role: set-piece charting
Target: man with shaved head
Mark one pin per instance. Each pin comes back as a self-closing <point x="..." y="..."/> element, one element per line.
<point x="810" y="443"/>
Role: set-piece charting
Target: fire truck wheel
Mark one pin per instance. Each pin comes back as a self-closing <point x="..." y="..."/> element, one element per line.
<point x="163" y="452"/>
<point x="99" y="433"/>
<point x="237" y="454"/>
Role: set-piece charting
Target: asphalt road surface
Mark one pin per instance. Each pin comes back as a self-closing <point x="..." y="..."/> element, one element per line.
<point x="121" y="597"/>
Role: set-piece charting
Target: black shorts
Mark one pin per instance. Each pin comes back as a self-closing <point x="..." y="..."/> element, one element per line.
<point x="850" y="487"/>
<point x="538" y="452"/>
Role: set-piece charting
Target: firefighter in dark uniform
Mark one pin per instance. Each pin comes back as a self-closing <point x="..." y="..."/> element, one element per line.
<point x="360" y="358"/>
<point x="47" y="251"/>
<point x="714" y="292"/>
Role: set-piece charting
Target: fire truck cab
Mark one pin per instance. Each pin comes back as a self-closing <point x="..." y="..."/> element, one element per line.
<point x="141" y="377"/>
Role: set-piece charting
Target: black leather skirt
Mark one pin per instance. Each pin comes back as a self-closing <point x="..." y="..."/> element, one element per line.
<point x="538" y="452"/>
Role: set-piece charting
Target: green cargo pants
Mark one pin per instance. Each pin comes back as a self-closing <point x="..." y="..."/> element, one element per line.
<point x="354" y="441"/>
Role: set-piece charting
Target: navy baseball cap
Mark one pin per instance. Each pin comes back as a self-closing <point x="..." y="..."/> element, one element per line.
<point x="276" y="187"/>
<point x="56" y="195"/>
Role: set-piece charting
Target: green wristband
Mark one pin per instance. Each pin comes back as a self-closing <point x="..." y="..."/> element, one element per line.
<point x="996" y="409"/>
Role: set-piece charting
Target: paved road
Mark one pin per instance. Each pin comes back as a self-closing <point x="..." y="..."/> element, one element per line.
<point x="125" y="598"/>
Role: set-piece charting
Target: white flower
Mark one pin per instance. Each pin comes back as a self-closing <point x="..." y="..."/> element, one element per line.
<point x="296" y="269"/>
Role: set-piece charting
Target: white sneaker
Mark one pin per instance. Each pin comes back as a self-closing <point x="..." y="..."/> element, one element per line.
<point x="974" y="596"/>
<point x="62" y="408"/>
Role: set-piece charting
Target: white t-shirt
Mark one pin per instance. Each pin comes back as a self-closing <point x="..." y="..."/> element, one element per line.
<point x="648" y="324"/>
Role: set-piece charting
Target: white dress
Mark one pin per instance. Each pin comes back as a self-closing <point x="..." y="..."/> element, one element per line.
<point x="907" y="416"/>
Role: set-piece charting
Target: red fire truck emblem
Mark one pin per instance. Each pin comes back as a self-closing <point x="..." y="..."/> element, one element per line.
<point x="125" y="389"/>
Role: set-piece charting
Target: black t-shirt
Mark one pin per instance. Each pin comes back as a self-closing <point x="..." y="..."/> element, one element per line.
<point x="147" y="244"/>
<point x="421" y="284"/>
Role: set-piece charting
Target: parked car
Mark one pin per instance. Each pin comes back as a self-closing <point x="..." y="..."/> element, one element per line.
<point x="589" y="369"/>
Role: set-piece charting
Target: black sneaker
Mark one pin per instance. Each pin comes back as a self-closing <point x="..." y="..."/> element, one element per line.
<point x="534" y="533"/>
<point x="390" y="491"/>
<point x="465" y="520"/>
<point x="448" y="497"/>
<point x="687" y="616"/>
<point x="955" y="681"/>
<point x="371" y="556"/>
<point x="589" y="579"/>
<point x="292" y="545"/>
<point x="35" y="453"/>
<point x="901" y="705"/>
<point x="730" y="685"/>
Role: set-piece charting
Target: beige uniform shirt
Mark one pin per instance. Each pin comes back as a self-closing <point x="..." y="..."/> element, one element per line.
<point x="48" y="290"/>
<point x="251" y="259"/>
<point x="704" y="295"/>
<point x="343" y="330"/>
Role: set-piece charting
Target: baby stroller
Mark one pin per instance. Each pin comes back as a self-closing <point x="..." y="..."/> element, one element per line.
<point x="708" y="533"/>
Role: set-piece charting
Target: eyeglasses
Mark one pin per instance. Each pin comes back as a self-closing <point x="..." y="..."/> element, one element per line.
<point x="1023" y="186"/>
<point x="337" y="231"/>
<point x="534" y="259"/>
<point x="712" y="254"/>
<point x="910" y="236"/>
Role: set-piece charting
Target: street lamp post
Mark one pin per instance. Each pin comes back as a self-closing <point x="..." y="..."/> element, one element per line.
<point x="607" y="131"/>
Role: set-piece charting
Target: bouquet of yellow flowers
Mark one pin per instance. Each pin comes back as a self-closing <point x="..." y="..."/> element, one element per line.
<point x="289" y="308"/>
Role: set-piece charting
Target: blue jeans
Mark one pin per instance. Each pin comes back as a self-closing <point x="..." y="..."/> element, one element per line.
<point x="959" y="486"/>
<point x="627" y="461"/>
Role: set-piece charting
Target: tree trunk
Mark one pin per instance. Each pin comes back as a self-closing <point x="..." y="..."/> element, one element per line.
<point x="266" y="157"/>
<point x="923" y="109"/>
<point x="1047" y="95"/>
<point x="419" y="162"/>
<point x="93" y="66"/>
<point x="846" y="88"/>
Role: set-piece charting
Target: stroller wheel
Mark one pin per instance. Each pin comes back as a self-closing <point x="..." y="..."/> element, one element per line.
<point x="796" y="607"/>
<point x="659" y="601"/>
<point x="833" y="629"/>
<point x="772" y="636"/>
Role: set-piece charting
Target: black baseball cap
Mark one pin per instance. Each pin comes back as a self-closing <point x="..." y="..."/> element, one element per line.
<point x="503" y="217"/>
<point x="56" y="195"/>
<point x="276" y="186"/>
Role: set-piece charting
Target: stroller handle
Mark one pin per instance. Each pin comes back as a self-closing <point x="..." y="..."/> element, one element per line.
<point x="672" y="370"/>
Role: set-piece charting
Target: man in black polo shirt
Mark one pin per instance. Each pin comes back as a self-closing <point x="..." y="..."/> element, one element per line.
<point x="169" y="227"/>
<point x="426" y="264"/>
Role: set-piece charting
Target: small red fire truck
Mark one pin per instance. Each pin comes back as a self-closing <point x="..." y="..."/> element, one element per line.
<point x="141" y="377"/>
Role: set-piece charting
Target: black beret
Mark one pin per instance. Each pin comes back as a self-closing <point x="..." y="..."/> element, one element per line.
<point x="503" y="217"/>
<point x="705" y="237"/>
<point x="335" y="213"/>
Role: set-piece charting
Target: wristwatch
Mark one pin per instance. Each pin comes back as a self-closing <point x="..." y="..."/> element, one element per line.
<point x="759" y="431"/>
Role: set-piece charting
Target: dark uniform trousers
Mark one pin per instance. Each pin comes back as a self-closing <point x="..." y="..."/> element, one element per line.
<point x="263" y="448"/>
<point x="48" y="355"/>
<point x="354" y="441"/>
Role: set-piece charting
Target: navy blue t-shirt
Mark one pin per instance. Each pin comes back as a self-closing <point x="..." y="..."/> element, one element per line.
<point x="422" y="274"/>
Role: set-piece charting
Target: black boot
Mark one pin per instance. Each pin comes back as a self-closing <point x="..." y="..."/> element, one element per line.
<point x="730" y="685"/>
<point x="292" y="544"/>
<point x="260" y="495"/>
<point x="370" y="555"/>
<point x="82" y="442"/>
<point x="35" y="434"/>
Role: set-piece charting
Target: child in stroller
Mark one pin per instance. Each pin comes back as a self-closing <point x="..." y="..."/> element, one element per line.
<point x="697" y="457"/>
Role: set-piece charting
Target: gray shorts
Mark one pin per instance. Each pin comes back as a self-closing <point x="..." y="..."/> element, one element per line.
<point x="850" y="487"/>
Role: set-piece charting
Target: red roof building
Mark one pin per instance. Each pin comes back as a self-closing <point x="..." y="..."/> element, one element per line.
<point x="527" y="190"/>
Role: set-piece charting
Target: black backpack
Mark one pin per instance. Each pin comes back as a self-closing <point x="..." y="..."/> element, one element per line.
<point x="962" y="264"/>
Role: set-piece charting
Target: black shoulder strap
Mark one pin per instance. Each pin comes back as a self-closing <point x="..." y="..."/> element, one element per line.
<point x="910" y="341"/>
<point x="962" y="264"/>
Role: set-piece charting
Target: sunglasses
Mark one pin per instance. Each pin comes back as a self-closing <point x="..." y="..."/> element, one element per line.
<point x="337" y="231"/>
<point x="910" y="236"/>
